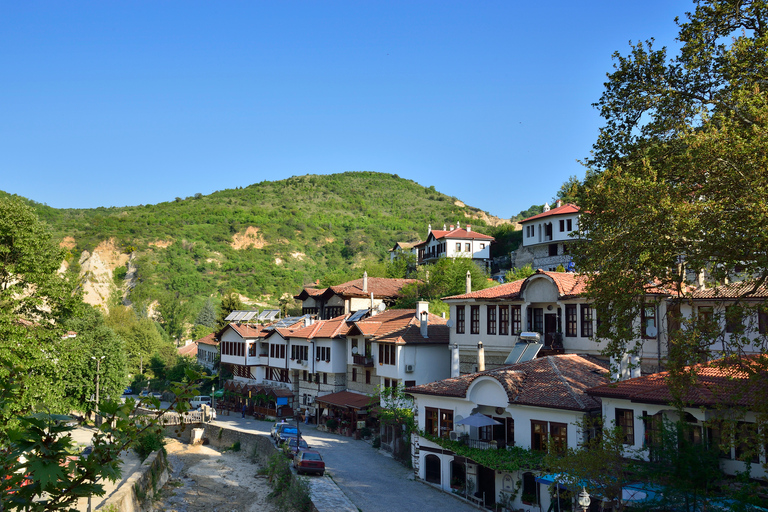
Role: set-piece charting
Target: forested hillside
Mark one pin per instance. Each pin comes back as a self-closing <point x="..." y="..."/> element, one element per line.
<point x="262" y="240"/>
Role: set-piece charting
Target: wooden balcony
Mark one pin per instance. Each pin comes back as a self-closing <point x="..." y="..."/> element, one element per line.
<point x="362" y="360"/>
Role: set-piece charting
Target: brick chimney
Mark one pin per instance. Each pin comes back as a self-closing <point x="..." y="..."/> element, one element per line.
<point x="469" y="228"/>
<point x="559" y="203"/>
<point x="451" y="227"/>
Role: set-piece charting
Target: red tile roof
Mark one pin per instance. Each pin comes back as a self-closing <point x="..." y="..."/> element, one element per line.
<point x="462" y="234"/>
<point x="557" y="382"/>
<point x="209" y="339"/>
<point x="333" y="328"/>
<point x="188" y="350"/>
<point x="743" y="289"/>
<point x="568" y="285"/>
<point x="717" y="383"/>
<point x="249" y="330"/>
<point x="381" y="287"/>
<point x="566" y="209"/>
<point x="346" y="399"/>
<point x="401" y="326"/>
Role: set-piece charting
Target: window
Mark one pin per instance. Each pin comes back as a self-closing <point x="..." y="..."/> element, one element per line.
<point x="459" y="319"/>
<point x="491" y="320"/>
<point x="387" y="354"/>
<point x="648" y="321"/>
<point x="625" y="419"/>
<point x="474" y="320"/>
<point x="570" y="320"/>
<point x="553" y="249"/>
<point x="762" y="320"/>
<point x="299" y="352"/>
<point x="517" y="324"/>
<point x="746" y="447"/>
<point x="251" y="349"/>
<point x="438" y="422"/>
<point x="432" y="469"/>
<point x="562" y="225"/>
<point x="468" y="247"/>
<point x="410" y="383"/>
<point x="367" y="376"/>
<point x="354" y="374"/>
<point x="536" y="320"/>
<point x="733" y="319"/>
<point x="503" y="320"/>
<point x="277" y="351"/>
<point x="482" y="246"/>
<point x="559" y="433"/>
<point x="586" y="321"/>
<point x="458" y="246"/>
<point x="706" y="319"/>
<point x="323" y="353"/>
<point x="569" y="224"/>
<point x="325" y="378"/>
<point x="538" y="435"/>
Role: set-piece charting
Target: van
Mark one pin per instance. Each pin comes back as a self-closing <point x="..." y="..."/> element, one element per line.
<point x="200" y="400"/>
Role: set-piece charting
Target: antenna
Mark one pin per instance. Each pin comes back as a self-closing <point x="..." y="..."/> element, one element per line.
<point x="449" y="323"/>
<point x="381" y="307"/>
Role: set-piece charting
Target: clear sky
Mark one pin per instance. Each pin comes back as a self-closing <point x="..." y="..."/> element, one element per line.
<point x="114" y="103"/>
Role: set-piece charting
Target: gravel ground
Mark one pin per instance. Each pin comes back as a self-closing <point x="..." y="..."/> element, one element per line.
<point x="206" y="480"/>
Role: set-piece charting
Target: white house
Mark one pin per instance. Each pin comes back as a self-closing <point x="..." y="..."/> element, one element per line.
<point x="207" y="351"/>
<point x="455" y="243"/>
<point x="546" y="237"/>
<point x="528" y="404"/>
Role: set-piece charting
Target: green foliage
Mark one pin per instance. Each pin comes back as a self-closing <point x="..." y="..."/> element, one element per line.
<point x="376" y="443"/>
<point x="402" y="266"/>
<point x="507" y="238"/>
<point x="570" y="191"/>
<point x="150" y="440"/>
<point x="207" y="315"/>
<point x="510" y="460"/>
<point x="332" y="424"/>
<point x="447" y="276"/>
<point x="516" y="274"/>
<point x="530" y="212"/>
<point x="229" y="303"/>
<point x="394" y="407"/>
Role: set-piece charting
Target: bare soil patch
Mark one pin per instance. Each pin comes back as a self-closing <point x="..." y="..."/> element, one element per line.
<point x="250" y="238"/>
<point x="206" y="480"/>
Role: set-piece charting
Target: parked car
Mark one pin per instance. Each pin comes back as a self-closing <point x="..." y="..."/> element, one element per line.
<point x="157" y="395"/>
<point x="287" y="433"/>
<point x="200" y="400"/>
<point x="127" y="391"/>
<point x="144" y="392"/>
<point x="276" y="428"/>
<point x="295" y="445"/>
<point x="309" y="461"/>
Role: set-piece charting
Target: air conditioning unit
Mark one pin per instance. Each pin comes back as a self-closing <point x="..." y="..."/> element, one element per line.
<point x="453" y="435"/>
<point x="298" y="361"/>
<point x="409" y="368"/>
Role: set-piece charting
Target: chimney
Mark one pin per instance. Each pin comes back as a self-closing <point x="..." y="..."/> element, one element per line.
<point x="558" y="203"/>
<point x="469" y="282"/>
<point x="546" y="207"/>
<point x="480" y="357"/>
<point x="443" y="314"/>
<point x="422" y="314"/>
<point x="317" y="282"/>
<point x="458" y="225"/>
<point x="365" y="282"/>
<point x="429" y="229"/>
<point x="469" y="228"/>
<point x="443" y="227"/>
<point x="455" y="368"/>
<point x="451" y="227"/>
<point x="371" y="302"/>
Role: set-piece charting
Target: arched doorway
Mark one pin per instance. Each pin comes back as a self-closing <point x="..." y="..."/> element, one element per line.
<point x="432" y="469"/>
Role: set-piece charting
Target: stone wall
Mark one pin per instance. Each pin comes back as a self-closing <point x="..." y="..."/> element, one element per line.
<point x="137" y="491"/>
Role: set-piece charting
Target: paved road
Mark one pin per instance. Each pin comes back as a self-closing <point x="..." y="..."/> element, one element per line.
<point x="371" y="479"/>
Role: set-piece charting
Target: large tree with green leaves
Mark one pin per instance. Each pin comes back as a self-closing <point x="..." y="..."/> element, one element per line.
<point x="678" y="177"/>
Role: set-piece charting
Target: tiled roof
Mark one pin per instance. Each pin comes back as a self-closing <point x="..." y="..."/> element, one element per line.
<point x="188" y="350"/>
<point x="249" y="330"/>
<point x="381" y="287"/>
<point x="461" y="234"/>
<point x="346" y="399"/>
<point x="717" y="383"/>
<point x="742" y="289"/>
<point x="568" y="285"/>
<point x="402" y="326"/>
<point x="405" y="245"/>
<point x="209" y="339"/>
<point x="560" y="210"/>
<point x="557" y="382"/>
<point x="332" y="328"/>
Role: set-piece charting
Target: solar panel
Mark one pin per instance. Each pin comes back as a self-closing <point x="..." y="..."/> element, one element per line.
<point x="249" y="315"/>
<point x="357" y="315"/>
<point x="516" y="354"/>
<point x="285" y="322"/>
<point x="241" y="315"/>
<point x="271" y="314"/>
<point x="263" y="314"/>
<point x="531" y="352"/>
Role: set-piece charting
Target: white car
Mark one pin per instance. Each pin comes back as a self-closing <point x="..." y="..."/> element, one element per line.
<point x="200" y="400"/>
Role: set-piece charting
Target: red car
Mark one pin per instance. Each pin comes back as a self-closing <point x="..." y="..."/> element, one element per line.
<point x="309" y="461"/>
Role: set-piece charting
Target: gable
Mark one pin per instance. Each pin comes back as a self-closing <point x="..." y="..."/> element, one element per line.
<point x="540" y="289"/>
<point x="487" y="391"/>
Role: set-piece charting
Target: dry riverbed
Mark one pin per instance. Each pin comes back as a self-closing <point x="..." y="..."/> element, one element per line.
<point x="206" y="480"/>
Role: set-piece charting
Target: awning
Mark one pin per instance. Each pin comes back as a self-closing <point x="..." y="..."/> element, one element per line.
<point x="346" y="399"/>
<point x="630" y="493"/>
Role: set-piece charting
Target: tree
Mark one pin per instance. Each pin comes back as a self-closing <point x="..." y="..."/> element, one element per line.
<point x="174" y="311"/>
<point x="678" y="177"/>
<point x="516" y="274"/>
<point x="207" y="315"/>
<point x="569" y="191"/>
<point x="229" y="303"/>
<point x="402" y="266"/>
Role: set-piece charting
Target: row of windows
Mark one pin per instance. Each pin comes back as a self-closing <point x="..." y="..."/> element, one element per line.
<point x="571" y="323"/>
<point x="508" y="320"/>
<point x="387" y="354"/>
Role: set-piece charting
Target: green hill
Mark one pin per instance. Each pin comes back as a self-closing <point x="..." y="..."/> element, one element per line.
<point x="262" y="240"/>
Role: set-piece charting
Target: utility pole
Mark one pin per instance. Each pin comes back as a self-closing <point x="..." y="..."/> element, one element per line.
<point x="98" y="371"/>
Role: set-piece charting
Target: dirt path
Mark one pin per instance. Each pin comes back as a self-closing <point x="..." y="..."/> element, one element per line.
<point x="206" y="480"/>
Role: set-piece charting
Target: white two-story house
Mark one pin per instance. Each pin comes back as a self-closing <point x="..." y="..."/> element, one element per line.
<point x="546" y="238"/>
<point x="455" y="242"/>
<point x="522" y="405"/>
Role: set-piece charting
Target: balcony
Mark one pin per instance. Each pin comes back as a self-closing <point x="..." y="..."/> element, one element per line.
<point x="362" y="360"/>
<point x="478" y="444"/>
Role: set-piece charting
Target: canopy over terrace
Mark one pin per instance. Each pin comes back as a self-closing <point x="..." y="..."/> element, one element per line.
<point x="258" y="399"/>
<point x="345" y="406"/>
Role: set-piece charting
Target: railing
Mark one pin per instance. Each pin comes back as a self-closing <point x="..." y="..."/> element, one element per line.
<point x="362" y="360"/>
<point x="483" y="445"/>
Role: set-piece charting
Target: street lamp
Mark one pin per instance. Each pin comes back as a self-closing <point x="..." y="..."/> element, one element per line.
<point x="583" y="499"/>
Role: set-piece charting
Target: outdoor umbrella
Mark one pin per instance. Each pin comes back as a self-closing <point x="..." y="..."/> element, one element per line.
<point x="478" y="420"/>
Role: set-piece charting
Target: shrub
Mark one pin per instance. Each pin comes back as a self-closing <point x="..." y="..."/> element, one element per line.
<point x="332" y="424"/>
<point x="365" y="432"/>
<point x="148" y="442"/>
<point x="376" y="442"/>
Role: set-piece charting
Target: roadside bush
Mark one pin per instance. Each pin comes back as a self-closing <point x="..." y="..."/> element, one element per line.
<point x="376" y="442"/>
<point x="289" y="492"/>
<point x="332" y="424"/>
<point x="365" y="432"/>
<point x="151" y="440"/>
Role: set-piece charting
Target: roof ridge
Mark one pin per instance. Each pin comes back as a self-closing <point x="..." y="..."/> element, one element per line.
<point x="567" y="386"/>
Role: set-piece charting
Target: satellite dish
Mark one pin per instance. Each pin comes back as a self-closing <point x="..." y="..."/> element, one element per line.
<point x="381" y="307"/>
<point x="651" y="331"/>
<point x="449" y="323"/>
<point x="354" y="350"/>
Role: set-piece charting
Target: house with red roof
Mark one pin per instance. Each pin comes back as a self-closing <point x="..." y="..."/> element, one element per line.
<point x="454" y="242"/>
<point x="546" y="237"/>
<point x="207" y="351"/>
<point x="365" y="293"/>
<point x="720" y="410"/>
<point x="524" y="404"/>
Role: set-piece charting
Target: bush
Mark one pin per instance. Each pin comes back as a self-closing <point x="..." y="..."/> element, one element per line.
<point x="376" y="442"/>
<point x="151" y="440"/>
<point x="365" y="432"/>
<point x="332" y="424"/>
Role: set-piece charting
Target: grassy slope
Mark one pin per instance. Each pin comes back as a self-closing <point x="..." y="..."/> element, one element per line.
<point x="314" y="225"/>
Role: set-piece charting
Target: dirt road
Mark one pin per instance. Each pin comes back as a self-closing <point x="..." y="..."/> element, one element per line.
<point x="206" y="480"/>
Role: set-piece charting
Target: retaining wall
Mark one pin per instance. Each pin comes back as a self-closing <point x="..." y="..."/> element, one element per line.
<point x="136" y="492"/>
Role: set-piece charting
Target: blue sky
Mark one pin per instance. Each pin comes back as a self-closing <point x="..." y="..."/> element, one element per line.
<point x="111" y="103"/>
